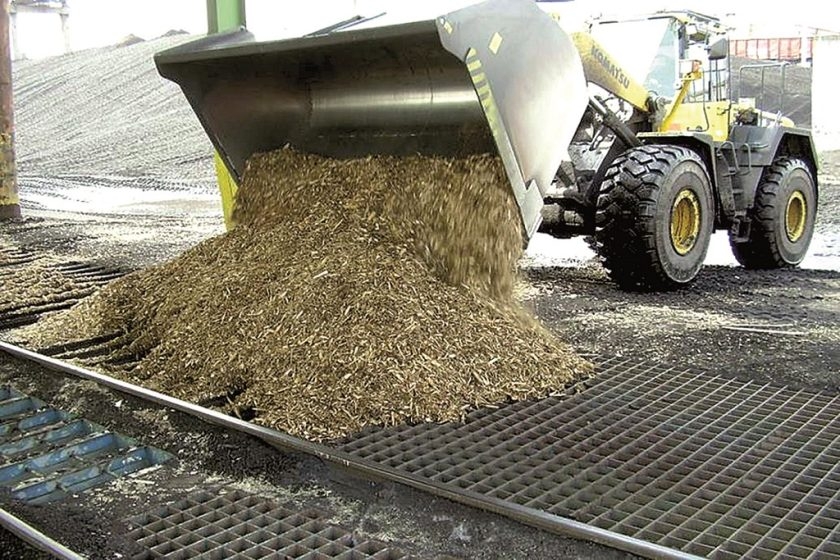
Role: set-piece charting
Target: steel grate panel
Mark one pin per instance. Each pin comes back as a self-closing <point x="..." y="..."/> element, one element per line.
<point x="696" y="462"/>
<point x="47" y="454"/>
<point x="233" y="523"/>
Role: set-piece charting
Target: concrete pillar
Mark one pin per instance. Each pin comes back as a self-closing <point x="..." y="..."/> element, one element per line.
<point x="64" y="14"/>
<point x="14" y="33"/>
<point x="9" y="202"/>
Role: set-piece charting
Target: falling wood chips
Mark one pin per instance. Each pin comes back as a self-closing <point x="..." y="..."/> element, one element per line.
<point x="352" y="293"/>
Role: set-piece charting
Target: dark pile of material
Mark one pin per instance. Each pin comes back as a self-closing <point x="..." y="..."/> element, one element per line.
<point x="352" y="293"/>
<point x="794" y="101"/>
<point x="138" y="125"/>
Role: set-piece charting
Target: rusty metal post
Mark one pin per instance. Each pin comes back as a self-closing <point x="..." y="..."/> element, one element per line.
<point x="9" y="202"/>
<point x="14" y="33"/>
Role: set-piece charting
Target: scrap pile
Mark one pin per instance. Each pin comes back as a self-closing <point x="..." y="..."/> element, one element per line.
<point x="351" y="293"/>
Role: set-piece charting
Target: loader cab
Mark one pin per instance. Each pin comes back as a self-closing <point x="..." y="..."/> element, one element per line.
<point x="706" y="43"/>
<point x="659" y="48"/>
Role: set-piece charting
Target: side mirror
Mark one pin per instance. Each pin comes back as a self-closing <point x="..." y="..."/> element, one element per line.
<point x="719" y="49"/>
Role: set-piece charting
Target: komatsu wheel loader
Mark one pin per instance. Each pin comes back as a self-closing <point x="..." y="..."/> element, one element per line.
<point x="647" y="154"/>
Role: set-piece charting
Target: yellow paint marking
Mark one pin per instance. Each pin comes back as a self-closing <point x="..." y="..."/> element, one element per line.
<point x="495" y="43"/>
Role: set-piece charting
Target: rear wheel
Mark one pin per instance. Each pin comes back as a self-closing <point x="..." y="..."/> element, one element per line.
<point x="655" y="217"/>
<point x="782" y="218"/>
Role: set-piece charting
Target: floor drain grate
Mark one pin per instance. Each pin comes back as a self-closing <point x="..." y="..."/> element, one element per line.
<point x="695" y="462"/>
<point x="47" y="454"/>
<point x="236" y="524"/>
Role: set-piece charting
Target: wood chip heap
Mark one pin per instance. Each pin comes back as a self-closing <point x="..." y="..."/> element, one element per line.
<point x="35" y="284"/>
<point x="351" y="293"/>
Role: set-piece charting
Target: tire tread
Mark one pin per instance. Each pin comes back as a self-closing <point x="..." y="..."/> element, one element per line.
<point x="761" y="250"/>
<point x="626" y="211"/>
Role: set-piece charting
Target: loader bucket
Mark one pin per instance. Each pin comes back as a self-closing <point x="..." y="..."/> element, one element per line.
<point x="496" y="77"/>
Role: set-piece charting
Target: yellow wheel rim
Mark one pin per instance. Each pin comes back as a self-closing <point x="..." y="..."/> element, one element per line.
<point x="796" y="213"/>
<point x="685" y="221"/>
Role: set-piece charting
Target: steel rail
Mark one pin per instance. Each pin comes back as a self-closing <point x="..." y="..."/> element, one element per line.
<point x="369" y="469"/>
<point x="36" y="538"/>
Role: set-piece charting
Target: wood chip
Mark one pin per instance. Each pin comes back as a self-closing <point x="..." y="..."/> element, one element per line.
<point x="352" y="293"/>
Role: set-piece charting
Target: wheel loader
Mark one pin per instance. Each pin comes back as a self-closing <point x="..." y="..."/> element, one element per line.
<point x="624" y="132"/>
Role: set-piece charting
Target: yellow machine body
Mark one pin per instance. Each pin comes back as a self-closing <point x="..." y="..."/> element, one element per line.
<point x="602" y="69"/>
<point x="714" y="118"/>
<point x="227" y="190"/>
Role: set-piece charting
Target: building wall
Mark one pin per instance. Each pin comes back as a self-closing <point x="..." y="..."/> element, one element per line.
<point x="825" y="88"/>
<point x="791" y="49"/>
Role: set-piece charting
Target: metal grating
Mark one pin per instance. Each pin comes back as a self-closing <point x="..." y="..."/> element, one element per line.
<point x="47" y="454"/>
<point x="706" y="465"/>
<point x="235" y="524"/>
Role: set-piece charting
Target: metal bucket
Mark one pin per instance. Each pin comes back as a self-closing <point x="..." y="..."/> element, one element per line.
<point x="497" y="77"/>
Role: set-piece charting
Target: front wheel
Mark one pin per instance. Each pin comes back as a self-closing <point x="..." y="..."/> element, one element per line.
<point x="655" y="217"/>
<point x="782" y="218"/>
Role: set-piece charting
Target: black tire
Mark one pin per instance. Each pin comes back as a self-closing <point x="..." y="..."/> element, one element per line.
<point x="772" y="242"/>
<point x="637" y="201"/>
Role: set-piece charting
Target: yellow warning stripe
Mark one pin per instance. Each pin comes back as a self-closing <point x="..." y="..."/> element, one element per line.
<point x="495" y="43"/>
<point x="227" y="189"/>
<point x="485" y="93"/>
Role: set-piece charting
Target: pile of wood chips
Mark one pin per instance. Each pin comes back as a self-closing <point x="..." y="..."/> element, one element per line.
<point x="351" y="293"/>
<point x="35" y="283"/>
